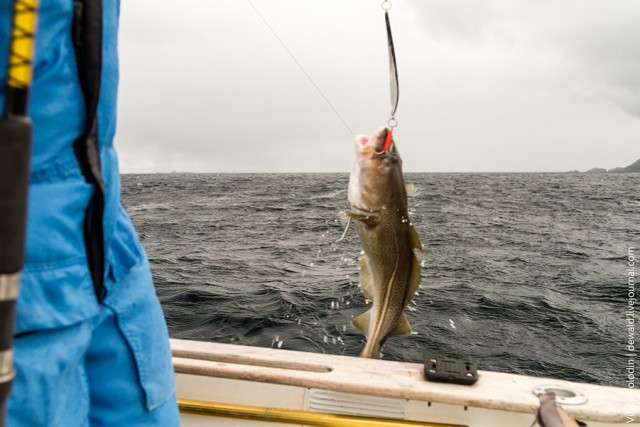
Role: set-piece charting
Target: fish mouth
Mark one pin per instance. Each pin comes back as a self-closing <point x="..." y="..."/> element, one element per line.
<point x="379" y="137"/>
<point x="373" y="147"/>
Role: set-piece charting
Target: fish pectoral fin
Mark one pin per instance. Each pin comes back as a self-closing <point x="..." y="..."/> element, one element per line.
<point x="369" y="219"/>
<point x="414" y="238"/>
<point x="410" y="187"/>
<point x="414" y="280"/>
<point x="366" y="279"/>
<point x="345" y="231"/>
<point x="402" y="327"/>
<point x="362" y="323"/>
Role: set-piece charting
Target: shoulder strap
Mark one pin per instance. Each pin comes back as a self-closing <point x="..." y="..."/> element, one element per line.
<point x="87" y="37"/>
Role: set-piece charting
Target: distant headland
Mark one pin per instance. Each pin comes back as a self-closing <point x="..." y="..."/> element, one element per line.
<point x="633" y="167"/>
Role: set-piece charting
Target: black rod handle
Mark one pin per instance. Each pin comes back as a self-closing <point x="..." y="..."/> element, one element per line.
<point x="15" y="159"/>
<point x="15" y="155"/>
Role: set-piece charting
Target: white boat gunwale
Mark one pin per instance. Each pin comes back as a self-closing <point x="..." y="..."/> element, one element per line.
<point x="400" y="380"/>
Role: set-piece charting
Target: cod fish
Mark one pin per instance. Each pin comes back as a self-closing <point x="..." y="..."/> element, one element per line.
<point x="389" y="269"/>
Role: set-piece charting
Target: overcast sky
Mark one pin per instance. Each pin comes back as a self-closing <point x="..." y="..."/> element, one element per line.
<point x="485" y="85"/>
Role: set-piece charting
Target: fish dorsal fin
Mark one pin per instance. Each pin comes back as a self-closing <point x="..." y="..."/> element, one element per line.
<point x="414" y="238"/>
<point x="366" y="279"/>
<point x="402" y="327"/>
<point x="414" y="280"/>
<point x="370" y="219"/>
<point x="362" y="322"/>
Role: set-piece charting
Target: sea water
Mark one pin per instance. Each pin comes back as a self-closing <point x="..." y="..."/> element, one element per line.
<point x="523" y="273"/>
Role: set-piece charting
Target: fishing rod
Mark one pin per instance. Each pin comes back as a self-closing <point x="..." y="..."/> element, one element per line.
<point x="16" y="133"/>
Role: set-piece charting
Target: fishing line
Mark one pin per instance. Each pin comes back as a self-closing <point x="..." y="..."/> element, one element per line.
<point x="282" y="43"/>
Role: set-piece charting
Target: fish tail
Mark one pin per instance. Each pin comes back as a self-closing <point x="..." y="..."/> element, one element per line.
<point x="371" y="350"/>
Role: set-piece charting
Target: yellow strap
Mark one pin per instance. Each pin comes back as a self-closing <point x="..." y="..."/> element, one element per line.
<point x="288" y="416"/>
<point x="22" y="43"/>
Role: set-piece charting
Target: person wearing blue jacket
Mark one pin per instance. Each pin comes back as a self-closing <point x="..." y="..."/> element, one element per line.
<point x="91" y="345"/>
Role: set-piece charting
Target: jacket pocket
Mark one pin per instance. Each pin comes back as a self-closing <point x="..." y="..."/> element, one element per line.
<point x="56" y="288"/>
<point x="132" y="296"/>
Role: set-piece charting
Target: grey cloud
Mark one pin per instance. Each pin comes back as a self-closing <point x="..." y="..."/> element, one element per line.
<point x="484" y="85"/>
<point x="601" y="39"/>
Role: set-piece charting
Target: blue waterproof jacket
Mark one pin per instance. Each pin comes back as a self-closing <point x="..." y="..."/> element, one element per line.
<point x="56" y="289"/>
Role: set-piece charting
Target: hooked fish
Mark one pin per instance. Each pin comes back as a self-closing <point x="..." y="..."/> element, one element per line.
<point x="389" y="269"/>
